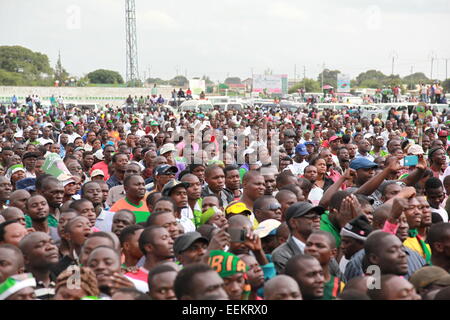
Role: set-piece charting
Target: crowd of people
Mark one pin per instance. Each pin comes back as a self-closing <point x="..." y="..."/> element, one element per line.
<point x="152" y="205"/>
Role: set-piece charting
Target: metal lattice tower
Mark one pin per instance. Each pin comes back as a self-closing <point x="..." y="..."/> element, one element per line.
<point x="132" y="56"/>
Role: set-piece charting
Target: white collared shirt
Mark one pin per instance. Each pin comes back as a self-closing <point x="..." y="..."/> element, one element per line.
<point x="299" y="244"/>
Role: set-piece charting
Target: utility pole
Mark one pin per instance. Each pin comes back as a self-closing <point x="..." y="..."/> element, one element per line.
<point x="433" y="57"/>
<point x="394" y="56"/>
<point x="131" y="41"/>
<point x="295" y="74"/>
<point x="323" y="69"/>
<point x="446" y="77"/>
<point x="304" y="78"/>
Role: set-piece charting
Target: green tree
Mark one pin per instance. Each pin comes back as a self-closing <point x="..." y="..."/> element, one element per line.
<point x="24" y="67"/>
<point x="233" y="80"/>
<point x="310" y="85"/>
<point x="157" y="81"/>
<point x="446" y="85"/>
<point x="329" y="77"/>
<point x="415" y="79"/>
<point x="208" y="81"/>
<point x="103" y="76"/>
<point x="179" y="81"/>
<point x="373" y="77"/>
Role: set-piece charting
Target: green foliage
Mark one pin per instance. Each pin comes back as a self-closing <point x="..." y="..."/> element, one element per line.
<point x="310" y="85"/>
<point x="233" y="80"/>
<point x="446" y="85"/>
<point x="104" y="76"/>
<point x="329" y="77"/>
<point x="371" y="79"/>
<point x="208" y="81"/>
<point x="179" y="81"/>
<point x="157" y="81"/>
<point x="21" y="66"/>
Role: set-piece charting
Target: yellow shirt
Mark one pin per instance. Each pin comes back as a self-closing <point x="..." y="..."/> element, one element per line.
<point x="414" y="244"/>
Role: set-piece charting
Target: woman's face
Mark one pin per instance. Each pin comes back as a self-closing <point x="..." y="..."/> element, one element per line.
<point x="321" y="166"/>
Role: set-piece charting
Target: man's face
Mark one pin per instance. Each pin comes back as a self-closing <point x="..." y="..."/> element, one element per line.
<point x="194" y="253"/>
<point x="7" y="154"/>
<point x="86" y="209"/>
<point x="234" y="286"/>
<point x="254" y="187"/>
<point x="435" y="197"/>
<point x="167" y="220"/>
<point x="200" y="173"/>
<point x="270" y="184"/>
<point x="364" y="175"/>
<point x="135" y="187"/>
<point x="425" y="143"/>
<point x="317" y="246"/>
<point x="9" y="264"/>
<point x="350" y="246"/>
<point x="179" y="195"/>
<point x="64" y="139"/>
<point x="107" y="153"/>
<point x="43" y="252"/>
<point x="14" y="232"/>
<point x="271" y="210"/>
<point x="209" y="202"/>
<point x="38" y="209"/>
<point x="5" y="189"/>
<point x="162" y="243"/>
<point x="289" y="144"/>
<point x="425" y="208"/>
<point x="208" y="283"/>
<point x="195" y="188"/>
<point x="287" y="201"/>
<point x="216" y="180"/>
<point x="104" y="262"/>
<point x="121" y="162"/>
<point x="394" y="144"/>
<point x="310" y="279"/>
<point x="311" y="173"/>
<point x="352" y="150"/>
<point x="391" y="256"/>
<point x="364" y="146"/>
<point x="54" y="194"/>
<point x="413" y="213"/>
<point x="255" y="273"/>
<point x="398" y="288"/>
<point x="93" y="193"/>
<point x="343" y="155"/>
<point x="327" y="156"/>
<point x="54" y="148"/>
<point x="163" y="178"/>
<point x="307" y="223"/>
<point x="161" y="286"/>
<point x="233" y="180"/>
<point x="79" y="230"/>
<point x="120" y="221"/>
<point x="391" y="191"/>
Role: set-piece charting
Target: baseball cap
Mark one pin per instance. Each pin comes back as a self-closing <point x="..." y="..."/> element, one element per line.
<point x="13" y="169"/>
<point x="267" y="227"/>
<point x="358" y="228"/>
<point x="416" y="149"/>
<point x="334" y="138"/>
<point x="28" y="184"/>
<point x="183" y="242"/>
<point x="368" y="135"/>
<point x="16" y="283"/>
<point x="362" y="163"/>
<point x="443" y="133"/>
<point x="300" y="209"/>
<point x="99" y="154"/>
<point x="309" y="143"/>
<point x="97" y="172"/>
<point x="31" y="154"/>
<point x="164" y="169"/>
<point x="237" y="208"/>
<point x="171" y="185"/>
<point x="154" y="123"/>
<point x="301" y="149"/>
<point x="166" y="148"/>
<point x="430" y="275"/>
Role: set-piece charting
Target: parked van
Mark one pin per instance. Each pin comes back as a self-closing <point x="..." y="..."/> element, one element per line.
<point x="196" y="106"/>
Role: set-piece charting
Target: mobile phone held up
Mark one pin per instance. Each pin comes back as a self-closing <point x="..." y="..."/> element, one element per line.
<point x="237" y="235"/>
<point x="410" y="161"/>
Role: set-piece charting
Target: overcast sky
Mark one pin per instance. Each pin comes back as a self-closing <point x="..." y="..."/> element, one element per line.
<point x="231" y="37"/>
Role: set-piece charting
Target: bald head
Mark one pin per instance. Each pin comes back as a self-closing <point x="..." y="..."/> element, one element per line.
<point x="18" y="199"/>
<point x="380" y="215"/>
<point x="282" y="287"/>
<point x="27" y="243"/>
<point x="249" y="175"/>
<point x="239" y="221"/>
<point x="12" y="213"/>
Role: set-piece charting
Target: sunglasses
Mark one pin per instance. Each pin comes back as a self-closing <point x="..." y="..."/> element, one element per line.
<point x="273" y="206"/>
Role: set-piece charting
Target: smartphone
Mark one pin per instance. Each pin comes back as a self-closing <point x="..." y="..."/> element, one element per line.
<point x="409" y="161"/>
<point x="237" y="235"/>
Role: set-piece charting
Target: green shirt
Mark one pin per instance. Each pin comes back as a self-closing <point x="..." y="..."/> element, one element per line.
<point x="326" y="225"/>
<point x="52" y="222"/>
<point x="332" y="288"/>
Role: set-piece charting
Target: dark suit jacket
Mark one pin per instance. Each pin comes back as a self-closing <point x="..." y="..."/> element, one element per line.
<point x="283" y="253"/>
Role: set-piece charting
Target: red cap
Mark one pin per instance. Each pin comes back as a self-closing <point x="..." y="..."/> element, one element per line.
<point x="333" y="138"/>
<point x="443" y="133"/>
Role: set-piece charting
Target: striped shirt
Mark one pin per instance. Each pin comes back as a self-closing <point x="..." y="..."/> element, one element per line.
<point x="140" y="211"/>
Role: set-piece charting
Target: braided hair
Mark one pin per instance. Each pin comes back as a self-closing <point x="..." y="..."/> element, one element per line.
<point x="87" y="279"/>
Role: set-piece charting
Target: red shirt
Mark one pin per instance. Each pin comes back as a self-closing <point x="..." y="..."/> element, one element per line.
<point x="141" y="274"/>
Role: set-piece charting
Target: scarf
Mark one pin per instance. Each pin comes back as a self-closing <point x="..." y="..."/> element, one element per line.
<point x="413" y="233"/>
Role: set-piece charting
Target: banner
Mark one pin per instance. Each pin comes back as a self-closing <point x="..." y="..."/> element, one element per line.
<point x="276" y="83"/>
<point x="55" y="166"/>
<point x="343" y="83"/>
<point x="197" y="86"/>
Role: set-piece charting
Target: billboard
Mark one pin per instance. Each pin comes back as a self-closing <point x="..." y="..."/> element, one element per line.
<point x="197" y="86"/>
<point x="273" y="83"/>
<point x="343" y="83"/>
